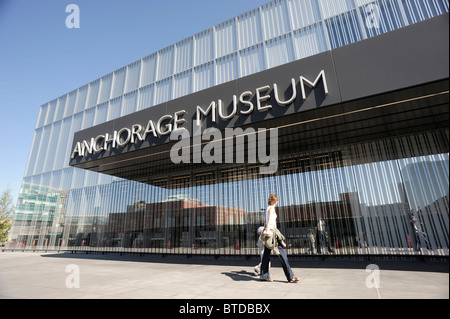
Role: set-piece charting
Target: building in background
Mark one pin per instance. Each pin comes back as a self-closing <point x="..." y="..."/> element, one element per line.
<point x="366" y="148"/>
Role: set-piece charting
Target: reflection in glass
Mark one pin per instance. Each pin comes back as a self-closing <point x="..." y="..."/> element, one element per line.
<point x="367" y="199"/>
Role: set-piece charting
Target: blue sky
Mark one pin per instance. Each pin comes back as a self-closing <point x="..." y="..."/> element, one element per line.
<point x="41" y="59"/>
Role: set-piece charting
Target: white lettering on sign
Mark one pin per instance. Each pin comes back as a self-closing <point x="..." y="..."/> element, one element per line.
<point x="166" y="124"/>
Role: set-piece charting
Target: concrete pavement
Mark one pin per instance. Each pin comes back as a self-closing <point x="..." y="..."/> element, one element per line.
<point x="64" y="275"/>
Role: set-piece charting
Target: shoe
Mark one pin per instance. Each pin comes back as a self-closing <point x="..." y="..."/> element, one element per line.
<point x="294" y="279"/>
<point x="256" y="271"/>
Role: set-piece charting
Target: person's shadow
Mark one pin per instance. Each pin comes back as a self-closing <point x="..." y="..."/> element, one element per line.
<point x="241" y="275"/>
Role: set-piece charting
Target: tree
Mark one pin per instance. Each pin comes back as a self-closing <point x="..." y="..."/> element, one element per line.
<point x="6" y="213"/>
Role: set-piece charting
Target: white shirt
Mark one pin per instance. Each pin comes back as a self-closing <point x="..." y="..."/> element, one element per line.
<point x="272" y="223"/>
<point x="321" y="225"/>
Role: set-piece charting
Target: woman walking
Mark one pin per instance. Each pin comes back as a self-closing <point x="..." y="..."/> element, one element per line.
<point x="271" y="230"/>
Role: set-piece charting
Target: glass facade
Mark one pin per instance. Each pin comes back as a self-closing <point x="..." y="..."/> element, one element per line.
<point x="373" y="195"/>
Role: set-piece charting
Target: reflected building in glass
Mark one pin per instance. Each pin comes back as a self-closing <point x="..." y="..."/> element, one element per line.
<point x="364" y="146"/>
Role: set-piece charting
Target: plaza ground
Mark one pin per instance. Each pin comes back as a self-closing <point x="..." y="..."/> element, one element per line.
<point x="50" y="275"/>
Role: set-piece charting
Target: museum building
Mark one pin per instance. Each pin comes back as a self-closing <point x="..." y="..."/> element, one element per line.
<point x="340" y="108"/>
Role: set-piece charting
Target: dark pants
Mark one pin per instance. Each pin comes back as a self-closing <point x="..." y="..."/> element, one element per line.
<point x="265" y="274"/>
<point x="323" y="239"/>
<point x="418" y="236"/>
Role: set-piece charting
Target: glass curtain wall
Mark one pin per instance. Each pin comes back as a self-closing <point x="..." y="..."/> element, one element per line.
<point x="385" y="197"/>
